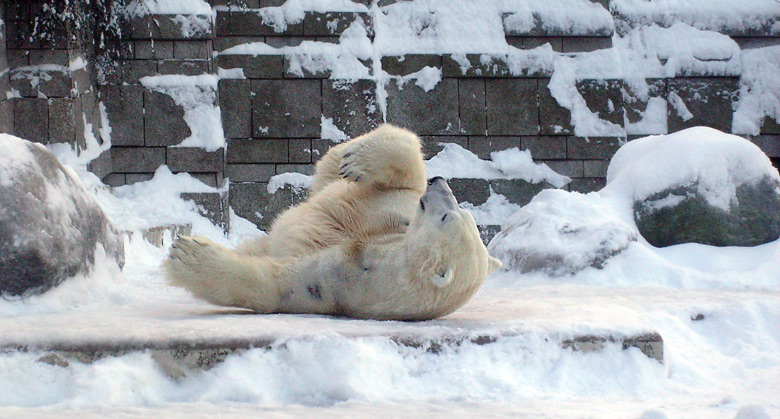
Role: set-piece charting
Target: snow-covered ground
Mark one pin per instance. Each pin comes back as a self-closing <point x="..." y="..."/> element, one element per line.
<point x="717" y="310"/>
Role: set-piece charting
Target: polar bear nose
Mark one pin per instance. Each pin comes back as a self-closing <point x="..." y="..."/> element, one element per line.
<point x="435" y="179"/>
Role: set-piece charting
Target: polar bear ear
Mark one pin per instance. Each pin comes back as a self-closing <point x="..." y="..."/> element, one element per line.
<point x="443" y="279"/>
<point x="493" y="264"/>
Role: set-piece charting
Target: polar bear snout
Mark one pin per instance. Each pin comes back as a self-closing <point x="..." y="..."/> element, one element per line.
<point x="438" y="195"/>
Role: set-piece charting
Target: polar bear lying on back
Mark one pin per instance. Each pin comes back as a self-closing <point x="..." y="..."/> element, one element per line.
<point x="372" y="241"/>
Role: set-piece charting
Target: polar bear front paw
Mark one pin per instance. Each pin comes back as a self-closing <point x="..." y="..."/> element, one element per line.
<point x="352" y="167"/>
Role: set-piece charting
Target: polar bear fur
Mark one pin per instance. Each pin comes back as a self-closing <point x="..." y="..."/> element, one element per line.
<point x="373" y="240"/>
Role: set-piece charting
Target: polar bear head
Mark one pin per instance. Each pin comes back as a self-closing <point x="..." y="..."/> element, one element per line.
<point x="444" y="244"/>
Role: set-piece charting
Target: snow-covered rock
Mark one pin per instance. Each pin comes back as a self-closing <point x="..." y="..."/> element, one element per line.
<point x="561" y="233"/>
<point x="50" y="226"/>
<point x="698" y="185"/>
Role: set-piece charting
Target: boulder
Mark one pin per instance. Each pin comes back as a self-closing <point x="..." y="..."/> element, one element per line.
<point x="561" y="233"/>
<point x="698" y="185"/>
<point x="50" y="226"/>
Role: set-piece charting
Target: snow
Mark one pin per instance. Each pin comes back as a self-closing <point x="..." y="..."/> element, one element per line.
<point x="455" y="161"/>
<point x="714" y="161"/>
<point x="329" y="131"/>
<point x="197" y="95"/>
<point x="298" y="182"/>
<point x="726" y="364"/>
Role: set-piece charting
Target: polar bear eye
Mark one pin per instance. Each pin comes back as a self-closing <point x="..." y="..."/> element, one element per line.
<point x="444" y="217"/>
<point x="422" y="205"/>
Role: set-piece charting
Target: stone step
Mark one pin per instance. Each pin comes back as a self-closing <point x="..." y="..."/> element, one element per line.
<point x="179" y="358"/>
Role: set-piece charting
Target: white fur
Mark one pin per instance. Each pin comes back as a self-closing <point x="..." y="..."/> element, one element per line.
<point x="360" y="246"/>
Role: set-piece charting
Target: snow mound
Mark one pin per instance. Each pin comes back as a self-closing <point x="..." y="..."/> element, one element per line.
<point x="561" y="233"/>
<point x="716" y="162"/>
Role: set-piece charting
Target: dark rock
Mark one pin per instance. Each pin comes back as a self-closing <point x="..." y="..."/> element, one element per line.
<point x="49" y="224"/>
<point x="752" y="220"/>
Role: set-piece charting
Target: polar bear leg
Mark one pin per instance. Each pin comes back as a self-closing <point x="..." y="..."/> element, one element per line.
<point x="222" y="276"/>
<point x="327" y="169"/>
<point x="388" y="157"/>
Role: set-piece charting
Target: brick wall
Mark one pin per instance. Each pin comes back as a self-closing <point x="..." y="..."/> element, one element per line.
<point x="271" y="118"/>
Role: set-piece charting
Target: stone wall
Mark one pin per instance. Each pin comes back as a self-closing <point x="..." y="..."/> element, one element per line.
<point x="272" y="114"/>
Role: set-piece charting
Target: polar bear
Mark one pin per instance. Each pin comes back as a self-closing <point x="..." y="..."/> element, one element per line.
<point x="374" y="240"/>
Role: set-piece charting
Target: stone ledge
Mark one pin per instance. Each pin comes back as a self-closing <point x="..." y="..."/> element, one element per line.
<point x="180" y="358"/>
<point x="159" y="236"/>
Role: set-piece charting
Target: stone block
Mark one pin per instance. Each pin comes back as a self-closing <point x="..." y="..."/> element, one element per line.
<point x="212" y="205"/>
<point x="21" y="35"/>
<point x="473" y="108"/>
<point x="101" y="165"/>
<point x="512" y="107"/>
<point x="758" y="42"/>
<point x="306" y="169"/>
<point x="114" y="179"/>
<point x="545" y="147"/>
<point x="62" y="121"/>
<point x="431" y="146"/>
<point x="604" y="97"/>
<point x="31" y="119"/>
<point x="49" y="56"/>
<point x="636" y="103"/>
<point x="570" y="168"/>
<point x="473" y="191"/>
<point x="6" y="116"/>
<point x="595" y="168"/>
<point x="253" y="202"/>
<point x="222" y="43"/>
<point x="153" y="49"/>
<point x="410" y="63"/>
<point x="250" y="172"/>
<point x="299" y="150"/>
<point x="543" y="27"/>
<point x="132" y="178"/>
<point x="18" y="10"/>
<point x="483" y="146"/>
<point x="255" y="66"/>
<point x="130" y="71"/>
<point x="517" y="191"/>
<point x="235" y="102"/>
<point x="532" y="42"/>
<point x="770" y="126"/>
<point x="434" y="112"/>
<point x="554" y="119"/>
<point x="286" y="108"/>
<point x="572" y="44"/>
<point x="35" y="83"/>
<point x="195" y="159"/>
<point x="239" y="22"/>
<point x="476" y="65"/>
<point x="18" y="58"/>
<point x="334" y="23"/>
<point x="257" y="151"/>
<point x="183" y="67"/>
<point x="352" y="106"/>
<point x="213" y="179"/>
<point x="769" y="144"/>
<point x="702" y="102"/>
<point x="170" y="27"/>
<point x="192" y="50"/>
<point x="288" y="41"/>
<point x="592" y="148"/>
<point x="164" y="123"/>
<point x="125" y="110"/>
<point x="137" y="159"/>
